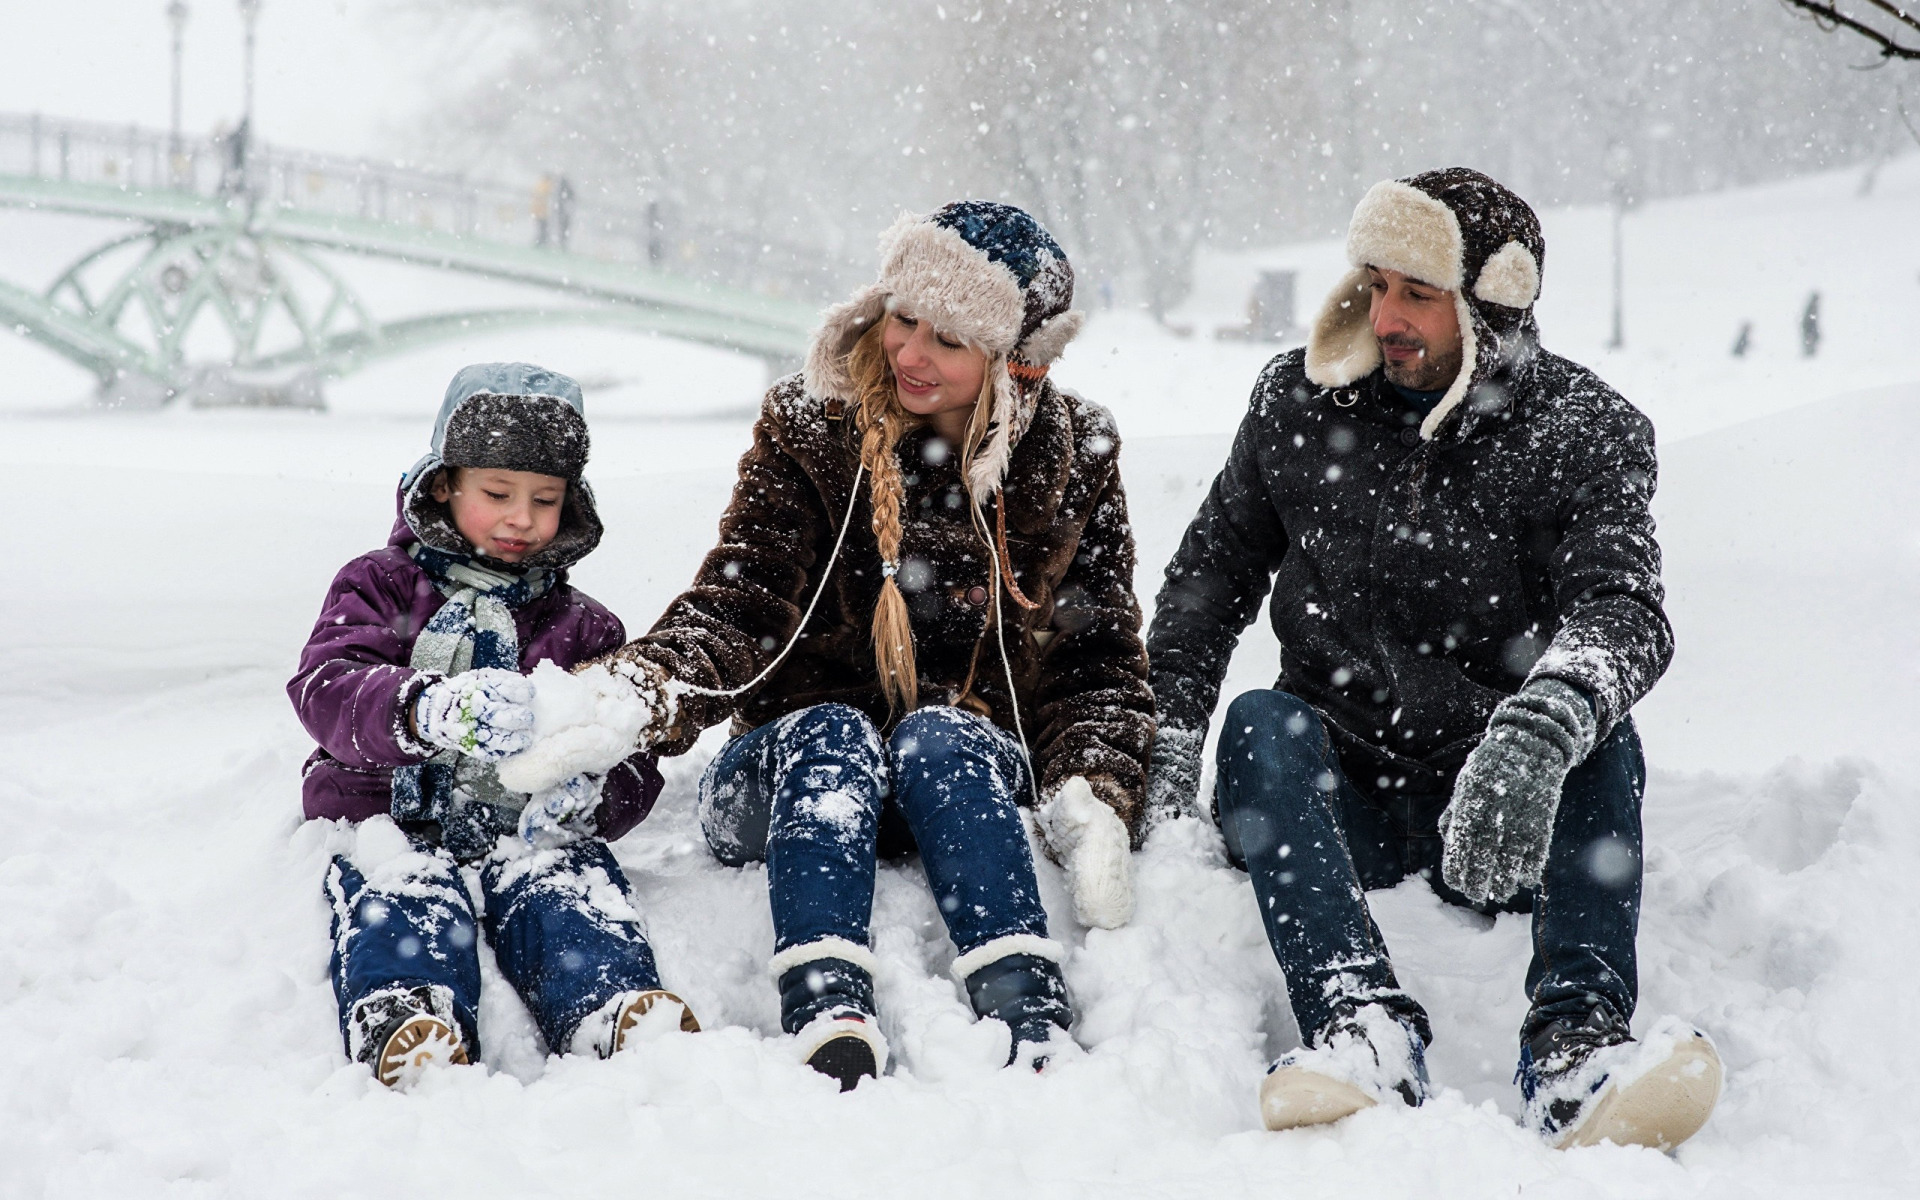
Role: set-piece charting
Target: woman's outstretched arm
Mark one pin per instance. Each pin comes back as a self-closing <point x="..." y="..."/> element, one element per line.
<point x="1094" y="708"/>
<point x="746" y="598"/>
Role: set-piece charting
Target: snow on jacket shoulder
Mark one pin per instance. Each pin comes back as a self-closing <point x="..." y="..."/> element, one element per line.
<point x="354" y="685"/>
<point x="1416" y="583"/>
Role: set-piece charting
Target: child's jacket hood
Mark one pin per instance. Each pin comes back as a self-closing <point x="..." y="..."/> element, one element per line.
<point x="515" y="417"/>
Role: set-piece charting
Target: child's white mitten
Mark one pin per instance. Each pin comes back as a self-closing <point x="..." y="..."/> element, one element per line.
<point x="563" y="813"/>
<point x="484" y="713"/>
<point x="1088" y="838"/>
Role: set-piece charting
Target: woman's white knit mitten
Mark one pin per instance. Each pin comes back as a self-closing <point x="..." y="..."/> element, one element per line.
<point x="1090" y="840"/>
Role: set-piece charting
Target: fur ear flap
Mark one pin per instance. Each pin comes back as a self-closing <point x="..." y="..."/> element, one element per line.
<point x="1469" y="367"/>
<point x="990" y="465"/>
<point x="1511" y="278"/>
<point x="1046" y="343"/>
<point x="1341" y="347"/>
<point x="826" y="367"/>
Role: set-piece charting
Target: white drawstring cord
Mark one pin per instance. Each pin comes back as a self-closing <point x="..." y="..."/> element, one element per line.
<point x="853" y="496"/>
<point x="1006" y="666"/>
<point x="676" y="687"/>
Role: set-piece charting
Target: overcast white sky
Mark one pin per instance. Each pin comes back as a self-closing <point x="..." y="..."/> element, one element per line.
<point x="338" y="75"/>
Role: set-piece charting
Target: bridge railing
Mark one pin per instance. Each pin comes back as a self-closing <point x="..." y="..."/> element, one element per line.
<point x="545" y="213"/>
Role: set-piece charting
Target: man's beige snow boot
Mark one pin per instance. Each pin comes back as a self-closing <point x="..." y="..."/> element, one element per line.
<point x="1590" y="1082"/>
<point x="1356" y="1062"/>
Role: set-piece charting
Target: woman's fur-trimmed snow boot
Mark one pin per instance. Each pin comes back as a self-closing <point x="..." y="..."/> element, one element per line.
<point x="1017" y="980"/>
<point x="401" y="1032"/>
<point x="1359" y="1060"/>
<point x="1587" y="1081"/>
<point x="826" y="1002"/>
<point x="615" y="1025"/>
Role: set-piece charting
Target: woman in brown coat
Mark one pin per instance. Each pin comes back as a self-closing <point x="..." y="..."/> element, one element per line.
<point x="920" y="616"/>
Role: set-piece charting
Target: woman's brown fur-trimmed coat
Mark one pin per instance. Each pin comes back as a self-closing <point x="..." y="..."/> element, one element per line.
<point x="1078" y="664"/>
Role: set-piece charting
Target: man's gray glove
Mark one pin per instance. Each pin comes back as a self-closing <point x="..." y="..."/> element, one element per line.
<point x="1500" y="821"/>
<point x="1173" y="774"/>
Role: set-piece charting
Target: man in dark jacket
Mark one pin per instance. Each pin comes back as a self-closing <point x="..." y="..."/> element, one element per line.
<point x="1467" y="595"/>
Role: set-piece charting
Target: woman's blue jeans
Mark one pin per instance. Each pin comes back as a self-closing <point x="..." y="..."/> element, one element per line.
<point x="819" y="796"/>
<point x="1314" y="842"/>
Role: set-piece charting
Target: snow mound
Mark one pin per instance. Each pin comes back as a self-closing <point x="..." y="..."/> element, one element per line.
<point x="583" y="723"/>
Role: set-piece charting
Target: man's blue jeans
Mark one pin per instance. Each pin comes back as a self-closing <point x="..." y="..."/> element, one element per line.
<point x="561" y="923"/>
<point x="1314" y="842"/>
<point x="820" y="796"/>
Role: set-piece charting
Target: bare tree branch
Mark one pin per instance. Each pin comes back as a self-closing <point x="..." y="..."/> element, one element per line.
<point x="1829" y="16"/>
<point x="1900" y="15"/>
<point x="1907" y="120"/>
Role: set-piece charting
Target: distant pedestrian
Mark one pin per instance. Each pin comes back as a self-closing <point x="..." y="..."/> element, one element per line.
<point x="656" y="235"/>
<point x="1810" y="327"/>
<point x="542" y="208"/>
<point x="233" y="162"/>
<point x="562" y="212"/>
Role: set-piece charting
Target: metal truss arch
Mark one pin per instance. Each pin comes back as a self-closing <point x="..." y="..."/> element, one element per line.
<point x="224" y="294"/>
<point x="213" y="283"/>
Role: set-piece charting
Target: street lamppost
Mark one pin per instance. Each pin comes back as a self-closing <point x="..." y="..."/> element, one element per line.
<point x="177" y="20"/>
<point x="1619" y="166"/>
<point x="233" y="172"/>
<point x="249" y="14"/>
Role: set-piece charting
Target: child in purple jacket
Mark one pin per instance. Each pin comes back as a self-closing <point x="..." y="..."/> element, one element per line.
<point x="413" y="684"/>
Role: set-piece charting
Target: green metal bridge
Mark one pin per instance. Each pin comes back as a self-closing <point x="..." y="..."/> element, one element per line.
<point x="221" y="291"/>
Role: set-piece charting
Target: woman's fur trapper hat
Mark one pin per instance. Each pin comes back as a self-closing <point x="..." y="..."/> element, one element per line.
<point x="510" y="417"/>
<point x="1455" y="229"/>
<point x="984" y="272"/>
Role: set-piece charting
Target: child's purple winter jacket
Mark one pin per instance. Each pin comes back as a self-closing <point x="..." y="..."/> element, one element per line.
<point x="354" y="687"/>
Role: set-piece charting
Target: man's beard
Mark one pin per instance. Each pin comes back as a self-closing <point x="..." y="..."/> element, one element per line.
<point x="1426" y="373"/>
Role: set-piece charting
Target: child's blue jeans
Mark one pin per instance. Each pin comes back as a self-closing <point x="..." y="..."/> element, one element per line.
<point x="561" y="922"/>
<point x="819" y="796"/>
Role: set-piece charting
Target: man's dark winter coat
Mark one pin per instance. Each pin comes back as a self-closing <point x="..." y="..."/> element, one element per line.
<point x="1417" y="583"/>
<point x="1078" y="666"/>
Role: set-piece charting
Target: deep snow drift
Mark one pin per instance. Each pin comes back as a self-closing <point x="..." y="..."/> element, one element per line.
<point x="166" y="1024"/>
<point x="167" y="1020"/>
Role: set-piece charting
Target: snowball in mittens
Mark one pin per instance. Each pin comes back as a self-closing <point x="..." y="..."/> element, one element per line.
<point x="583" y="723"/>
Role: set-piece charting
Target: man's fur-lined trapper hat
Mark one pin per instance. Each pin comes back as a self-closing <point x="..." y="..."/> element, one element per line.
<point x="984" y="272"/>
<point x="1454" y="229"/>
<point x="509" y="417"/>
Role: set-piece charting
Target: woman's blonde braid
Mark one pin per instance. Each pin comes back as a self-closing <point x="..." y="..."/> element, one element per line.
<point x="881" y="423"/>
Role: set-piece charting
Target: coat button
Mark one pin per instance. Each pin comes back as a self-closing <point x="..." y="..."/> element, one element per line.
<point x="1409" y="437"/>
<point x="977" y="596"/>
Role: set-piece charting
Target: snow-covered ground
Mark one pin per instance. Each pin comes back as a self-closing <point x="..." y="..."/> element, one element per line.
<point x="166" y="1025"/>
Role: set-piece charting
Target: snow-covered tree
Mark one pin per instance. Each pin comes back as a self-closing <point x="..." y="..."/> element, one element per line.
<point x="774" y="138"/>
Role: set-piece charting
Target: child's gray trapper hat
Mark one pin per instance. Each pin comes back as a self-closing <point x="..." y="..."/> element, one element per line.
<point x="510" y="417"/>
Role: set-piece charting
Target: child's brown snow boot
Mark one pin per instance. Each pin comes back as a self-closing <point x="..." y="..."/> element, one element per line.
<point x="402" y="1032"/>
